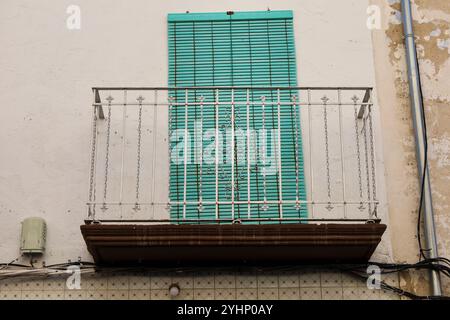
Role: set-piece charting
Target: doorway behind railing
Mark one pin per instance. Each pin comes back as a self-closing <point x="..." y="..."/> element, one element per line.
<point x="294" y="154"/>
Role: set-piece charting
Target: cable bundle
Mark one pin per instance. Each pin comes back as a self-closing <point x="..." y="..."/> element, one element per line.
<point x="442" y="265"/>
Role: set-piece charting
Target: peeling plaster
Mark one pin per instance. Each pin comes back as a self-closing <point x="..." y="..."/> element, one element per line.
<point x="440" y="151"/>
<point x="439" y="5"/>
<point x="432" y="31"/>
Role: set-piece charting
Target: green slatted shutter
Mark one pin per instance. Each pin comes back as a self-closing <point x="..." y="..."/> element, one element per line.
<point x="242" y="49"/>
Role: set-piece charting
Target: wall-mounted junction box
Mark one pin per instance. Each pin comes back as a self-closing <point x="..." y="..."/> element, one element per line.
<point x="33" y="236"/>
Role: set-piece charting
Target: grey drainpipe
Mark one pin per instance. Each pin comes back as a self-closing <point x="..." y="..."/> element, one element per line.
<point x="417" y="113"/>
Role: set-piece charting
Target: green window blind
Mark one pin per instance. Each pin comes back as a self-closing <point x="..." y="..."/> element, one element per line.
<point x="242" y="49"/>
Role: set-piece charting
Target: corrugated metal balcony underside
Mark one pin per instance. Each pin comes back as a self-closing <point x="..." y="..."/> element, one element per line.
<point x="202" y="244"/>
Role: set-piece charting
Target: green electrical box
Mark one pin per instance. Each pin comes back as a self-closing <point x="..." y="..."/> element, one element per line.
<point x="33" y="235"/>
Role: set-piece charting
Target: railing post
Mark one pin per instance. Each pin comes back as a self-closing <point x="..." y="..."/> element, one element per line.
<point x="169" y="157"/>
<point x="372" y="156"/>
<point x="93" y="160"/>
<point x="264" y="207"/>
<point x="366" y="159"/>
<point x="98" y="101"/>
<point x="108" y="140"/>
<point x="216" y="105"/>
<point x="137" y="207"/>
<point x="296" y="112"/>
<point x="155" y="133"/>
<point x="341" y="140"/>
<point x="286" y="201"/>
<point x="124" y="136"/>
<point x="248" y="155"/>
<point x="364" y="102"/>
<point x="278" y="156"/>
<point x="186" y="134"/>
<point x="232" y="153"/>
<point x="199" y="153"/>
<point x="311" y="165"/>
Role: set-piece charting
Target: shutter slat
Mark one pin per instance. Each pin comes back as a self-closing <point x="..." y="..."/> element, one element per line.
<point x="244" y="49"/>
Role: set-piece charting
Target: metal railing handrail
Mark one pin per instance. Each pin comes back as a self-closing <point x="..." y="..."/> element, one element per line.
<point x="361" y="101"/>
<point x="113" y="88"/>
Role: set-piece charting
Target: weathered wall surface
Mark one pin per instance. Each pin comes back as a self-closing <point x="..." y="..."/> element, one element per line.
<point x="432" y="30"/>
<point x="47" y="73"/>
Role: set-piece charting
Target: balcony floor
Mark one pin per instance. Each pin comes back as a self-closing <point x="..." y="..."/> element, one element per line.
<point x="169" y="244"/>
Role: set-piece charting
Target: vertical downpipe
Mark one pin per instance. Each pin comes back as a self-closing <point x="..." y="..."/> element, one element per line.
<point x="418" y="122"/>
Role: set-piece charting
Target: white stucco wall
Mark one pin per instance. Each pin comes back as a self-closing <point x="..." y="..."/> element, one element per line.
<point x="432" y="30"/>
<point x="47" y="75"/>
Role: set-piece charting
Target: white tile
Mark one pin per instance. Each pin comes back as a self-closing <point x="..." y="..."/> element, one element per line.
<point x="159" y="294"/>
<point x="247" y="294"/>
<point x="268" y="293"/>
<point x="289" y="280"/>
<point x="118" y="294"/>
<point x="53" y="295"/>
<point x="54" y="284"/>
<point x="289" y="293"/>
<point x="184" y="281"/>
<point x="246" y="281"/>
<point x="369" y="294"/>
<point x="225" y="294"/>
<point x="33" y="285"/>
<point x="351" y="280"/>
<point x="267" y="280"/>
<point x="330" y="293"/>
<point x="96" y="295"/>
<point x="11" y="285"/>
<point x="75" y="295"/>
<point x="139" y="282"/>
<point x="309" y="278"/>
<point x="11" y="295"/>
<point x="203" y="294"/>
<point x="31" y="295"/>
<point x="330" y="279"/>
<point x="204" y="281"/>
<point x="118" y="282"/>
<point x="225" y="280"/>
<point x="185" y="294"/>
<point x="94" y="282"/>
<point x="139" y="295"/>
<point x="160" y="282"/>
<point x="351" y="293"/>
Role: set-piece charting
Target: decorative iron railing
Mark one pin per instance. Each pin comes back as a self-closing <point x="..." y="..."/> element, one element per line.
<point x="232" y="154"/>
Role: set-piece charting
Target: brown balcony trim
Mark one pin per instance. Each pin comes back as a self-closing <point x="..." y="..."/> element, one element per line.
<point x="169" y="244"/>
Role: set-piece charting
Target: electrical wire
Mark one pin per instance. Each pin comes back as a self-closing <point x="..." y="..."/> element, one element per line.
<point x="401" y="292"/>
<point x="425" y="165"/>
<point x="440" y="264"/>
<point x="10" y="263"/>
<point x="424" y="173"/>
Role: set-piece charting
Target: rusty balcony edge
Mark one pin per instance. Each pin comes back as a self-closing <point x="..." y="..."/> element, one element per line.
<point x="169" y="244"/>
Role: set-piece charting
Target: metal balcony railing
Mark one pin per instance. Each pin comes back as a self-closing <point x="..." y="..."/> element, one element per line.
<point x="287" y="154"/>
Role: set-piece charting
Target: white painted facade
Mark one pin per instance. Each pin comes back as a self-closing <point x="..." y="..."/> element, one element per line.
<point x="47" y="72"/>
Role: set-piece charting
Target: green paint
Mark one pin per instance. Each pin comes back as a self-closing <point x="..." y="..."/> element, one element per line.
<point x="243" y="49"/>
